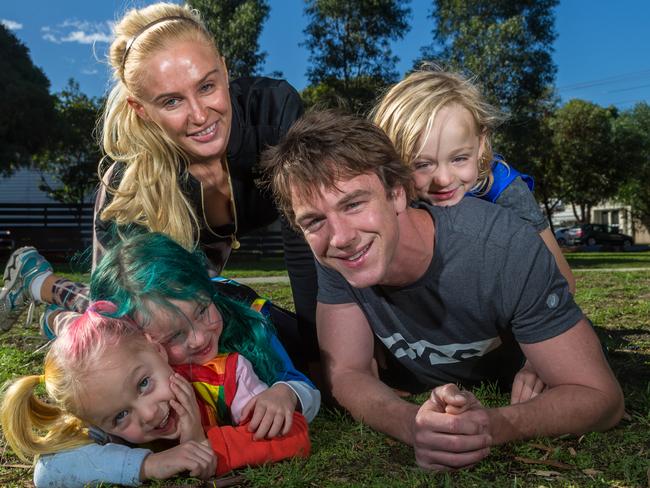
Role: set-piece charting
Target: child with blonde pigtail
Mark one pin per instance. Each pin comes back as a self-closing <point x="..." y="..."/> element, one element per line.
<point x="104" y="372"/>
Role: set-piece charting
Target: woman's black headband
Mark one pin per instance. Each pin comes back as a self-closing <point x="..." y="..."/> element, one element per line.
<point x="146" y="28"/>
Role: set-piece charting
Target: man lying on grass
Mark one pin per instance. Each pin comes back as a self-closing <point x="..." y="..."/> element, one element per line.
<point x="460" y="294"/>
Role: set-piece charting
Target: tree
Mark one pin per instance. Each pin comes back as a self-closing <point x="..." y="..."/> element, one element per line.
<point x="548" y="183"/>
<point x="584" y="155"/>
<point x="349" y="42"/>
<point x="632" y="144"/>
<point x="236" y="26"/>
<point x="26" y="106"/>
<point x="507" y="45"/>
<point x="72" y="157"/>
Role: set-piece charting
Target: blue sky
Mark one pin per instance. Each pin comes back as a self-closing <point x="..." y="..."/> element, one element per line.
<point x="602" y="51"/>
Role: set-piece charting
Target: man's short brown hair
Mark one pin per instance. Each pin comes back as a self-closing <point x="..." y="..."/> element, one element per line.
<point x="325" y="147"/>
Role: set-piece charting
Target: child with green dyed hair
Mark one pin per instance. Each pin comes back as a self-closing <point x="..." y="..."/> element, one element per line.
<point x="166" y="290"/>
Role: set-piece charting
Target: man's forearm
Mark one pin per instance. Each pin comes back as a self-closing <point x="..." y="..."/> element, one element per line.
<point x="559" y="410"/>
<point x="372" y="402"/>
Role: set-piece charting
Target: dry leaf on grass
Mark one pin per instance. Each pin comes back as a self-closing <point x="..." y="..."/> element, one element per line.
<point x="545" y="474"/>
<point x="541" y="447"/>
<point x="223" y="482"/>
<point x="572" y="451"/>
<point x="591" y="472"/>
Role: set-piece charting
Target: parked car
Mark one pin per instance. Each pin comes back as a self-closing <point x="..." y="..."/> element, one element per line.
<point x="592" y="234"/>
<point x="561" y="235"/>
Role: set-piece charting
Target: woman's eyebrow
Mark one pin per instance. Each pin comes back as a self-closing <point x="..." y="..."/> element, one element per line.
<point x="162" y="96"/>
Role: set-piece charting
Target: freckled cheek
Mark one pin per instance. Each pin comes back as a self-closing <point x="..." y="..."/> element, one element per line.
<point x="220" y="103"/>
<point x="169" y="122"/>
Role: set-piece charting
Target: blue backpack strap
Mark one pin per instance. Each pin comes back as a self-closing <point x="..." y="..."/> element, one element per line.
<point x="242" y="293"/>
<point x="503" y="175"/>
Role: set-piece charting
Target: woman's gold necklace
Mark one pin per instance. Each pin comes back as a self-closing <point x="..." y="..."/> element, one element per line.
<point x="234" y="243"/>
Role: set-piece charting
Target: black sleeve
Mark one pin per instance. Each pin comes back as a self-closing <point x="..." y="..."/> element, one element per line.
<point x="263" y="111"/>
<point x="297" y="254"/>
<point x="304" y="286"/>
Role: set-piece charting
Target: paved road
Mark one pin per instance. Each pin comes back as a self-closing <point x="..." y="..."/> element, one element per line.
<point x="610" y="270"/>
<point x="263" y="279"/>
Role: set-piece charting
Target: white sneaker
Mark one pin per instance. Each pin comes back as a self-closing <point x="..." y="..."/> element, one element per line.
<point x="23" y="266"/>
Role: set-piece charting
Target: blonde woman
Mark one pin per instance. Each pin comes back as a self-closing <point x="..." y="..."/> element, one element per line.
<point x="182" y="145"/>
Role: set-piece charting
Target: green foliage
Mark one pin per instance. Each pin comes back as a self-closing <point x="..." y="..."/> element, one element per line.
<point x="507" y="46"/>
<point x="27" y="108"/>
<point x="351" y="58"/>
<point x="74" y="154"/>
<point x="632" y="144"/>
<point x="584" y="155"/>
<point x="236" y="26"/>
<point x="357" y="96"/>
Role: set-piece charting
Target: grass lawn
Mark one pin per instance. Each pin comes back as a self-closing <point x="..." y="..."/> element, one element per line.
<point x="596" y="260"/>
<point x="347" y="453"/>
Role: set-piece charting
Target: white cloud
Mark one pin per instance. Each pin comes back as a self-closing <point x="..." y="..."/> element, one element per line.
<point x="80" y="31"/>
<point x="86" y="37"/>
<point x="11" y="24"/>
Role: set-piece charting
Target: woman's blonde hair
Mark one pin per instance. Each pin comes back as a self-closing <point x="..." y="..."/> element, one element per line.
<point x="408" y="110"/>
<point x="33" y="426"/>
<point x="149" y="192"/>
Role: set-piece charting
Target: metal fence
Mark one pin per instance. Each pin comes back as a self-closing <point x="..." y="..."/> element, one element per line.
<point x="62" y="228"/>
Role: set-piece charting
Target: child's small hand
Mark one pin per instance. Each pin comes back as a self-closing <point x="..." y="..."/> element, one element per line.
<point x="272" y="412"/>
<point x="187" y="409"/>
<point x="526" y="385"/>
<point x="196" y="457"/>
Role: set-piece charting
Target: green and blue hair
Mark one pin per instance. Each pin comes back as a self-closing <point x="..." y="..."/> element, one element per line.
<point x="150" y="269"/>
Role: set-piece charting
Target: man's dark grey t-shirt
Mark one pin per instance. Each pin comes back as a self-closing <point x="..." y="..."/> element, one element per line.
<point x="518" y="198"/>
<point x="491" y="284"/>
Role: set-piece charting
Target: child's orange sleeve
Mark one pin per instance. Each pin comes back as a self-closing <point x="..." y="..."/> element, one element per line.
<point x="235" y="446"/>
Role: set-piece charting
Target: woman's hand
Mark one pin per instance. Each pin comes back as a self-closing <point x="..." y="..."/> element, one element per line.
<point x="196" y="457"/>
<point x="187" y="409"/>
<point x="271" y="412"/>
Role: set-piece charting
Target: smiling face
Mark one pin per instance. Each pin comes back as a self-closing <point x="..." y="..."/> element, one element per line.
<point x="447" y="165"/>
<point x="189" y="334"/>
<point x="352" y="227"/>
<point x="184" y="90"/>
<point x="129" y="394"/>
